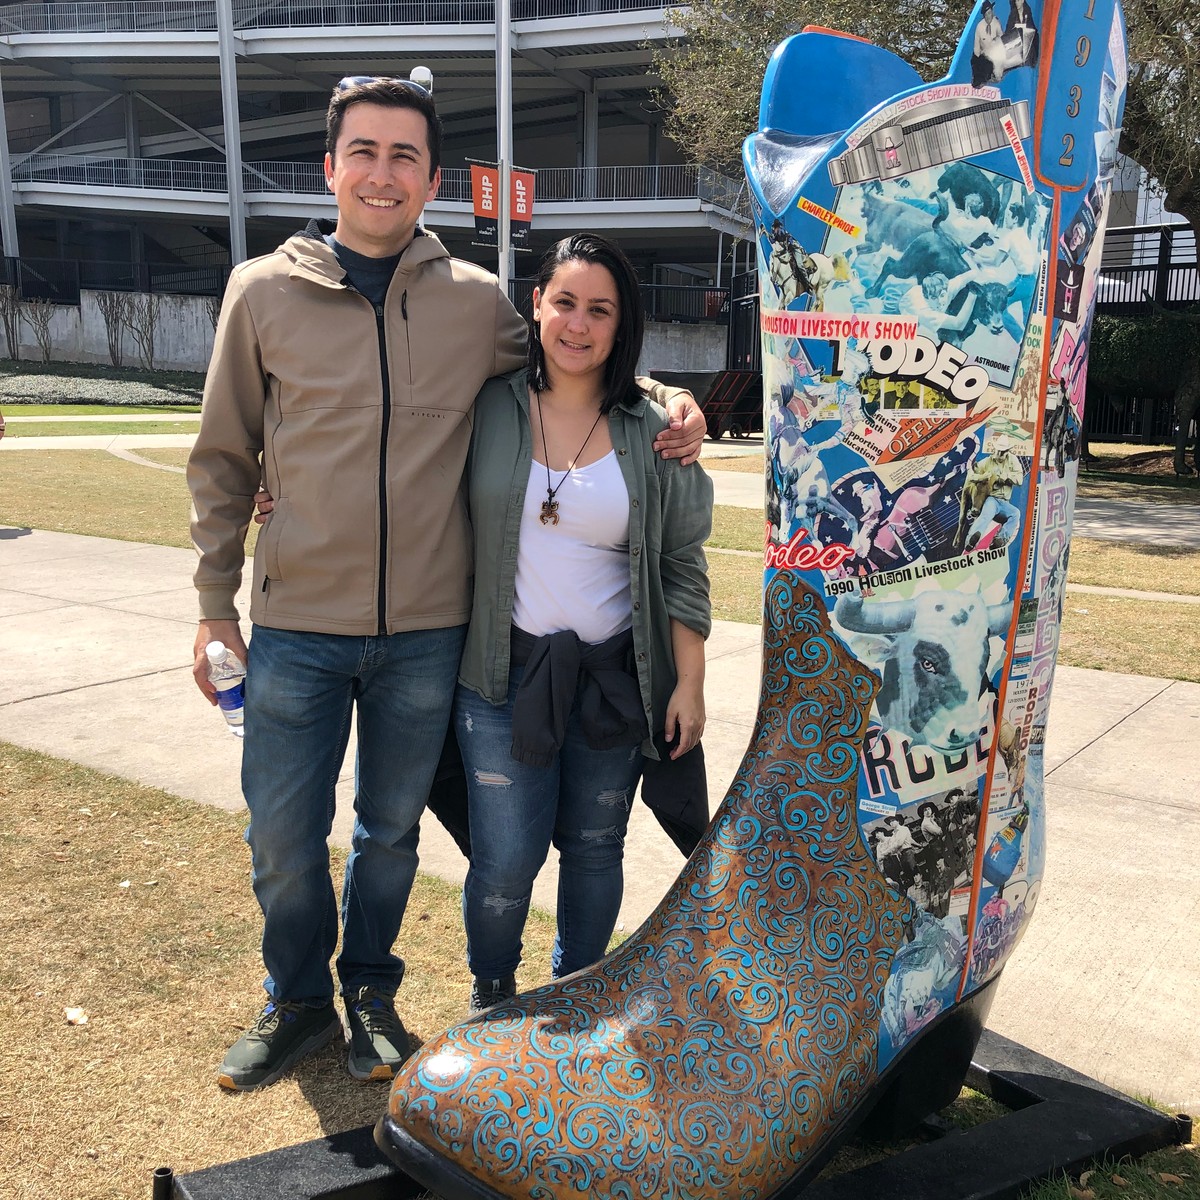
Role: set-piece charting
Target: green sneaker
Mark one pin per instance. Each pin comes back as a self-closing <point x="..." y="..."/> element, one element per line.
<point x="282" y="1035"/>
<point x="378" y="1039"/>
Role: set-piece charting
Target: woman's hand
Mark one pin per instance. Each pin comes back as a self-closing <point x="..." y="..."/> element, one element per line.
<point x="685" y="717"/>
<point x="265" y="503"/>
<point x="685" y="709"/>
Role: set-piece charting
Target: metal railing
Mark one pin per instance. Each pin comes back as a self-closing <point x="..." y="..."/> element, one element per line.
<point x="579" y="184"/>
<point x="199" y="16"/>
<point x="1117" y="418"/>
<point x="166" y="174"/>
<point x="675" y="182"/>
<point x="1145" y="265"/>
<point x="302" y="178"/>
<point x="110" y="16"/>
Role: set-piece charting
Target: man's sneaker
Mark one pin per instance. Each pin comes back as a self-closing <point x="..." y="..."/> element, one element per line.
<point x="378" y="1039"/>
<point x="283" y="1034"/>
<point x="485" y="993"/>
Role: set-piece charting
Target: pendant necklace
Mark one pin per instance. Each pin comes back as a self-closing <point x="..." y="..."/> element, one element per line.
<point x="549" y="513"/>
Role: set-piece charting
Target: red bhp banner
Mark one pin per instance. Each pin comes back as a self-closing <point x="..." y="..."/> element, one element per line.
<point x="485" y="198"/>
<point x="520" y="207"/>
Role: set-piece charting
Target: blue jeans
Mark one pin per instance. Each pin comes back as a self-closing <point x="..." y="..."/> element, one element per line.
<point x="995" y="509"/>
<point x="580" y="803"/>
<point x="300" y="688"/>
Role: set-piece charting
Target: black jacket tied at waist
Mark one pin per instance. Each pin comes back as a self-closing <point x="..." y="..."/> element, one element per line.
<point x="560" y="668"/>
<point x="556" y="669"/>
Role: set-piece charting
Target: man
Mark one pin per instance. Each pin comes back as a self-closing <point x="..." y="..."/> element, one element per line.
<point x="987" y="57"/>
<point x="343" y="374"/>
<point x="987" y="498"/>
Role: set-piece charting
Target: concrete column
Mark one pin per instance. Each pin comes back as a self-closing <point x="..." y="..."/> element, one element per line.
<point x="133" y="141"/>
<point x="233" y="131"/>
<point x="590" y="142"/>
<point x="591" y="129"/>
<point x="8" y="206"/>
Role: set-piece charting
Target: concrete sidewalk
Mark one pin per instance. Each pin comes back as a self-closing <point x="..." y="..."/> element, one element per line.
<point x="95" y="642"/>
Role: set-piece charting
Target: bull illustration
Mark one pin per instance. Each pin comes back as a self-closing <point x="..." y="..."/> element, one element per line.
<point x="935" y="663"/>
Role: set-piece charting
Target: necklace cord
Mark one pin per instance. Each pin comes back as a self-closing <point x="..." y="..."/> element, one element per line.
<point x="549" y="515"/>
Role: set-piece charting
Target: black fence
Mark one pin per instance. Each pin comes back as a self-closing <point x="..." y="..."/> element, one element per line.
<point x="1145" y="265"/>
<point x="1146" y="419"/>
<point x="61" y="280"/>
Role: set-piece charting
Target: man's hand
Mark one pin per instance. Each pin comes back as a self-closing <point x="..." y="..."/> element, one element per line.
<point x="230" y="633"/>
<point x="688" y="429"/>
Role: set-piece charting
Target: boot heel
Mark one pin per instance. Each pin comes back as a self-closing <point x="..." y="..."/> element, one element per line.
<point x="930" y="1074"/>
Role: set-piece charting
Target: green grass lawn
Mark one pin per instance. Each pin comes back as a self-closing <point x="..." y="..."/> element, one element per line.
<point x="98" y="428"/>
<point x="97" y="410"/>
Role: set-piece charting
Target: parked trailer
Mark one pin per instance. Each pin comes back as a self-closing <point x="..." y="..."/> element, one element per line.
<point x="732" y="400"/>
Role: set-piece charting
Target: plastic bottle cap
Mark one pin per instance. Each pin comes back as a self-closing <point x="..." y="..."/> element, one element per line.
<point x="215" y="651"/>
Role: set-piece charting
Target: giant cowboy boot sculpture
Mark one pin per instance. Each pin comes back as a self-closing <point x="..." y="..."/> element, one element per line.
<point x="829" y="952"/>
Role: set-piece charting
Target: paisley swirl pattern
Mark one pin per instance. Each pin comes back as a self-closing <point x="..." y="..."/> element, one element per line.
<point x="725" y="1041"/>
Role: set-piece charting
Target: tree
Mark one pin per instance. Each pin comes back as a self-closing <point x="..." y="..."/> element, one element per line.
<point x="38" y="312"/>
<point x="115" y="308"/>
<point x="712" y="81"/>
<point x="10" y="309"/>
<point x="142" y="322"/>
<point x="1162" y="107"/>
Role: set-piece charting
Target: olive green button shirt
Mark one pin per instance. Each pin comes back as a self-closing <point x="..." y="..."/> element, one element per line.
<point x="670" y="517"/>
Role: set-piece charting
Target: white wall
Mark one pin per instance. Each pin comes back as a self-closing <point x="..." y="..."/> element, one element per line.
<point x="182" y="340"/>
<point x="671" y="347"/>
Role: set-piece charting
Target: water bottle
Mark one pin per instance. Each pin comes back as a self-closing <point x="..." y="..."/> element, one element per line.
<point x="229" y="678"/>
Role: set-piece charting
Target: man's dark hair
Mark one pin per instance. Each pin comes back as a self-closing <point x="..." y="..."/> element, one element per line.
<point x="388" y="93"/>
<point x="621" y="366"/>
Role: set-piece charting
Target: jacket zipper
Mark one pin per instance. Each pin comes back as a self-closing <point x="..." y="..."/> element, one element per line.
<point x="383" y="445"/>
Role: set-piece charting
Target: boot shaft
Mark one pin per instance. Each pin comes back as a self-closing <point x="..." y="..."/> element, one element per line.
<point x="928" y="259"/>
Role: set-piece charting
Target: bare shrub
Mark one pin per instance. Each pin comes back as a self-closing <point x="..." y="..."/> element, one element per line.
<point x="37" y="314"/>
<point x="10" y="315"/>
<point x="212" y="305"/>
<point x="114" y="307"/>
<point x="142" y="322"/>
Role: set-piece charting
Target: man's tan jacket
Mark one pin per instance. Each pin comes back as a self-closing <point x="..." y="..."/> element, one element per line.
<point x="358" y="422"/>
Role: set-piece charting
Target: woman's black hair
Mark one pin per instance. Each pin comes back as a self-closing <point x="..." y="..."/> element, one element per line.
<point x="621" y="366"/>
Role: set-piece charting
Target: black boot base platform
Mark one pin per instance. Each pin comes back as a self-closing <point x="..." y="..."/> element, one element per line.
<point x="1062" y="1121"/>
<point x="924" y="1078"/>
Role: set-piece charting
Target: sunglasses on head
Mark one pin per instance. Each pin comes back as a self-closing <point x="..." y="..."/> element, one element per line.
<point x="353" y="81"/>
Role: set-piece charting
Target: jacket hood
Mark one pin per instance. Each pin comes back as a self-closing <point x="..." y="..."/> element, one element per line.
<point x="312" y="257"/>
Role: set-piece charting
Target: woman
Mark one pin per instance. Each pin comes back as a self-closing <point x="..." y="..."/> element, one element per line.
<point x="589" y="616"/>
